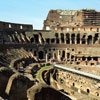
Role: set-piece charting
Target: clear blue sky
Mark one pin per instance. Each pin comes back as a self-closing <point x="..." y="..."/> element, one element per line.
<point x="35" y="11"/>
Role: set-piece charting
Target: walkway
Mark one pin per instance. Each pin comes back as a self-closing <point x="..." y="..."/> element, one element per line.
<point x="85" y="74"/>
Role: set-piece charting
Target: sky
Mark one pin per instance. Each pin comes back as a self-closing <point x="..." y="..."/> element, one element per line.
<point x="35" y="11"/>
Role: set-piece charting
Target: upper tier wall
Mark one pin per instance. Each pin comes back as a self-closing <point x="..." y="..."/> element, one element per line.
<point x="14" y="26"/>
<point x="71" y="18"/>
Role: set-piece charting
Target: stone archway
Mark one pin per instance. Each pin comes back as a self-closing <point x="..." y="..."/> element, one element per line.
<point x="62" y="38"/>
<point x="89" y="40"/>
<point x="41" y="54"/>
<point x="32" y="40"/>
<point x="49" y="56"/>
<point x="84" y="40"/>
<point x="73" y="38"/>
<point x="67" y="38"/>
<point x="78" y="38"/>
<point x="96" y="38"/>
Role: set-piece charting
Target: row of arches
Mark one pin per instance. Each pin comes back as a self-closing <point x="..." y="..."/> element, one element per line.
<point x="74" y="39"/>
<point x="69" y="39"/>
<point x="63" y="38"/>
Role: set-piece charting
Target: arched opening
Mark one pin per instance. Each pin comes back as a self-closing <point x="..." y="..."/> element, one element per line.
<point x="95" y="58"/>
<point x="9" y="25"/>
<point x="56" y="35"/>
<point x="79" y="29"/>
<point x="78" y="63"/>
<point x="55" y="56"/>
<point x="83" y="39"/>
<point x="78" y="38"/>
<point x="83" y="58"/>
<point x="21" y="27"/>
<point x="32" y="40"/>
<point x="73" y="38"/>
<point x="52" y="40"/>
<point x="35" y="53"/>
<point x="97" y="29"/>
<point x="36" y="38"/>
<point x="62" y="38"/>
<point x="57" y="41"/>
<point x="47" y="28"/>
<point x="16" y="39"/>
<point x="73" y="29"/>
<point x="67" y="38"/>
<point x="73" y="84"/>
<point x="67" y="29"/>
<point x="63" y="54"/>
<point x="48" y="41"/>
<point x="72" y="58"/>
<point x="68" y="55"/>
<point x="95" y="39"/>
<point x="88" y="91"/>
<point x="89" y="58"/>
<point x="97" y="94"/>
<point x="49" y="56"/>
<point x="89" y="40"/>
<point x="40" y="54"/>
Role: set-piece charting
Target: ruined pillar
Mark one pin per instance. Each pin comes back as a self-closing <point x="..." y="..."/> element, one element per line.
<point x="75" y="42"/>
<point x="64" y="41"/>
<point x="86" y="41"/>
<point x="80" y="41"/>
<point x="60" y="41"/>
<point x="59" y="56"/>
<point x="66" y="54"/>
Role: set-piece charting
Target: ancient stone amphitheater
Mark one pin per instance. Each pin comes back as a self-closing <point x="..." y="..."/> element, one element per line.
<point x="59" y="62"/>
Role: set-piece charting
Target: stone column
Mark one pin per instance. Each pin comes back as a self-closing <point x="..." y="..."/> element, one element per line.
<point x="58" y="56"/>
<point x="60" y="41"/>
<point x="66" y="54"/>
<point x="85" y="40"/>
<point x="92" y="58"/>
<point x="64" y="41"/>
<point x="80" y="41"/>
<point x="75" y="42"/>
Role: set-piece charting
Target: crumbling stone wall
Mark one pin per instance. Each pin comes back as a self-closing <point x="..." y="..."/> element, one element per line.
<point x="82" y="84"/>
<point x="17" y="87"/>
<point x="61" y="19"/>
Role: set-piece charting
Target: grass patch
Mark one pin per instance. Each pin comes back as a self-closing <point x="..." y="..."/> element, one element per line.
<point x="39" y="73"/>
<point x="46" y="67"/>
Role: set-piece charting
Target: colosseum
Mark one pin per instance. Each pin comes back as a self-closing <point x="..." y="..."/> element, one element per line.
<point x="59" y="62"/>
